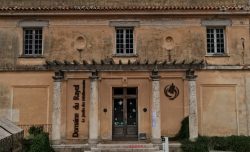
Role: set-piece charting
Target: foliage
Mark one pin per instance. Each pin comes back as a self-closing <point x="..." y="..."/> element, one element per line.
<point x="200" y="145"/>
<point x="35" y="130"/>
<point x="230" y="143"/>
<point x="37" y="141"/>
<point x="184" y="130"/>
<point x="204" y="144"/>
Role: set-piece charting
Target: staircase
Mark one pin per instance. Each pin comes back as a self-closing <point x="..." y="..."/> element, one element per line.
<point x="116" y="147"/>
<point x="125" y="148"/>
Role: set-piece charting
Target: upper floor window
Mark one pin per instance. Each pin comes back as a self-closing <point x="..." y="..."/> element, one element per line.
<point x="124" y="41"/>
<point x="33" y="41"/>
<point x="215" y="40"/>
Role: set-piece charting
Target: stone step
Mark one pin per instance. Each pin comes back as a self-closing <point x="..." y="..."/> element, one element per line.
<point x="124" y="149"/>
<point x="131" y="146"/>
<point x="173" y="147"/>
<point x="119" y="147"/>
<point x="71" y="147"/>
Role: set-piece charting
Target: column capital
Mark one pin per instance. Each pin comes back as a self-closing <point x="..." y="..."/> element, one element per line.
<point x="59" y="76"/>
<point x="190" y="75"/>
<point x="94" y="75"/>
<point x="155" y="74"/>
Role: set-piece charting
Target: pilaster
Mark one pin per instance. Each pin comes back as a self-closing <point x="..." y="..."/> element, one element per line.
<point x="56" y="106"/>
<point x="155" y="111"/>
<point x="93" y="109"/>
<point x="193" y="110"/>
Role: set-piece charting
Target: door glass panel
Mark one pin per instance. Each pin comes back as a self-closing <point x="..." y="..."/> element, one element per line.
<point x="118" y="112"/>
<point x="131" y="111"/>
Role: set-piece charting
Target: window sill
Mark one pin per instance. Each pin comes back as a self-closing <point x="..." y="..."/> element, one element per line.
<point x="31" y="56"/>
<point x="31" y="60"/>
<point x="217" y="55"/>
<point x="125" y="55"/>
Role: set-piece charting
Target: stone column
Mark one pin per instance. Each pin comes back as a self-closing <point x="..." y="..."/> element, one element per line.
<point x="156" y="109"/>
<point x="193" y="112"/>
<point x="93" y="109"/>
<point x="56" y="107"/>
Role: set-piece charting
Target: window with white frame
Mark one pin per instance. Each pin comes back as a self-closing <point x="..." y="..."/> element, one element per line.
<point x="215" y="40"/>
<point x="124" y="41"/>
<point x="32" y="41"/>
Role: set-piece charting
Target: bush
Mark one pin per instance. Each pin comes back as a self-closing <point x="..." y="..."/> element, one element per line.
<point x="37" y="141"/>
<point x="204" y="144"/>
<point x="200" y="145"/>
<point x="35" y="130"/>
<point x="184" y="130"/>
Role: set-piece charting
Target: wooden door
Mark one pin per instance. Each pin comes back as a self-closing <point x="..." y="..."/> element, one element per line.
<point x="125" y="123"/>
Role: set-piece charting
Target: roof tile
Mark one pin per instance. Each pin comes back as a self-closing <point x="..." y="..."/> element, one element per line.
<point x="122" y="8"/>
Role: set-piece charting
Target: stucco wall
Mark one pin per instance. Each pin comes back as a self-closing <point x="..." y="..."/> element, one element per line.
<point x="60" y="39"/>
<point x="223" y="100"/>
<point x="223" y="103"/>
<point x="26" y="97"/>
<point x="172" y="110"/>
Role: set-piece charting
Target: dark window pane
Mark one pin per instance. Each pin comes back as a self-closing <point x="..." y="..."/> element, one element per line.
<point x="131" y="91"/>
<point x="118" y="91"/>
<point x="118" y="112"/>
<point x="131" y="111"/>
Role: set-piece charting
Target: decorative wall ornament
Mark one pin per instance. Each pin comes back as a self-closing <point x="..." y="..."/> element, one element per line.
<point x="171" y="91"/>
<point x="168" y="43"/>
<point x="80" y="43"/>
<point x="168" y="46"/>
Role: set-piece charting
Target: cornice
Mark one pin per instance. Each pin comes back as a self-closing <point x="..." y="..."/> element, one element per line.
<point x="126" y="10"/>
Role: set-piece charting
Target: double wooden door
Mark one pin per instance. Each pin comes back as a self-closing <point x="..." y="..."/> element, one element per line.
<point x="125" y="116"/>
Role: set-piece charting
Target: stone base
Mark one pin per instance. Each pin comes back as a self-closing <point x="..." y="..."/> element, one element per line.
<point x="71" y="148"/>
<point x="93" y="141"/>
<point x="156" y="141"/>
<point x="193" y="139"/>
<point x="55" y="142"/>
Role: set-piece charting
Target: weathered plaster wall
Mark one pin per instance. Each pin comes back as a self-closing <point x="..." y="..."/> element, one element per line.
<point x="26" y="98"/>
<point x="9" y="46"/>
<point x="222" y="95"/>
<point x="172" y="111"/>
<point x="222" y="103"/>
<point x="223" y="100"/>
<point x="184" y="37"/>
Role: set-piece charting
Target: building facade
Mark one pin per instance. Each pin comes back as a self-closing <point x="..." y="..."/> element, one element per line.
<point x="90" y="71"/>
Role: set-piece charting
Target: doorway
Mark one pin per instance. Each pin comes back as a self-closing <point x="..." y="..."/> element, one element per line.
<point x="125" y="116"/>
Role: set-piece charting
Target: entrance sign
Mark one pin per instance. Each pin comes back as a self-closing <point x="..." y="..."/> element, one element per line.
<point x="79" y="107"/>
<point x="76" y="125"/>
<point x="76" y="108"/>
<point x="83" y="110"/>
